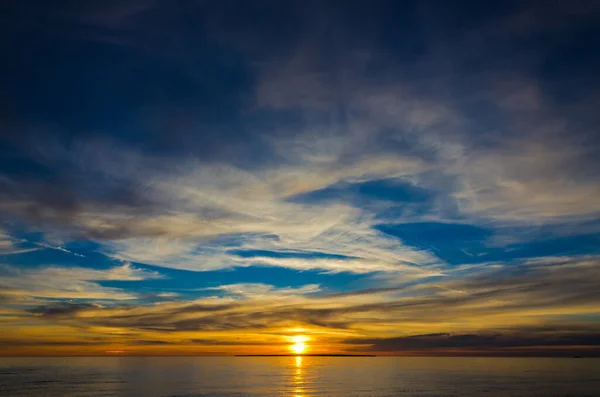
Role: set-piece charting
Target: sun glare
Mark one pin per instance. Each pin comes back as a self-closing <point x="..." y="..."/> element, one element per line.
<point x="299" y="346"/>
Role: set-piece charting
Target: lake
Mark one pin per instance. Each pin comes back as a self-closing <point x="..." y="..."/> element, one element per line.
<point x="298" y="376"/>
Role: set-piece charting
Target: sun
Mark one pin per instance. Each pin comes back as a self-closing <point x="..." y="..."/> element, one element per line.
<point x="299" y="346"/>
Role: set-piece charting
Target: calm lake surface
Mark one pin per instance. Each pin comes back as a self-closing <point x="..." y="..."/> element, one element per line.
<point x="298" y="376"/>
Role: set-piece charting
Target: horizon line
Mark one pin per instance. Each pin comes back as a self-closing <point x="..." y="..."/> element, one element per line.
<point x="298" y="355"/>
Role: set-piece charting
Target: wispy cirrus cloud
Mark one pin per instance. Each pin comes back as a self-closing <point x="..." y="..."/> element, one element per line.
<point x="503" y="310"/>
<point x="192" y="212"/>
<point x="525" y="295"/>
<point x="56" y="282"/>
<point x="10" y="245"/>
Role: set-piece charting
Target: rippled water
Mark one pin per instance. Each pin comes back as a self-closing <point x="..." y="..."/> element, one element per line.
<point x="298" y="376"/>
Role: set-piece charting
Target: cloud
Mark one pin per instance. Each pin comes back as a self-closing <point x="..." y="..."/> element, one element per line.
<point x="196" y="207"/>
<point x="56" y="282"/>
<point x="53" y="343"/>
<point x="240" y="147"/>
<point x="113" y="15"/>
<point x="523" y="295"/>
<point x="535" y="180"/>
<point x="486" y="344"/>
<point x="526" y="160"/>
<point x="10" y="245"/>
<point x="59" y="248"/>
<point x="188" y="212"/>
<point x="265" y="290"/>
<point x="538" y="306"/>
<point x="61" y="309"/>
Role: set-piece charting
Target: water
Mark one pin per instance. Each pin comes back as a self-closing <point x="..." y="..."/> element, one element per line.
<point x="298" y="376"/>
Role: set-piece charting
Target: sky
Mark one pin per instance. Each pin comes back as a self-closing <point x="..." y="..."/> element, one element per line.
<point x="240" y="177"/>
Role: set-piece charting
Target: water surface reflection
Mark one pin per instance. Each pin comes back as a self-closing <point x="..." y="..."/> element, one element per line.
<point x="298" y="378"/>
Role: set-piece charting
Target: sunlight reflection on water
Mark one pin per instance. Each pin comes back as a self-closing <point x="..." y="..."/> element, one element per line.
<point x="298" y="380"/>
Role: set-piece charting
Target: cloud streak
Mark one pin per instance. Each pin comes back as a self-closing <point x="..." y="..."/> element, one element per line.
<point x="527" y="297"/>
<point x="55" y="282"/>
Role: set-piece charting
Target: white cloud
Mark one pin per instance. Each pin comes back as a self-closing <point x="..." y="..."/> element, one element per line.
<point x="10" y="246"/>
<point x="528" y="170"/>
<point x="207" y="207"/>
<point x="69" y="282"/>
<point x="259" y="290"/>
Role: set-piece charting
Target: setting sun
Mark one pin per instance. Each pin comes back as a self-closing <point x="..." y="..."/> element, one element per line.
<point x="299" y="346"/>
